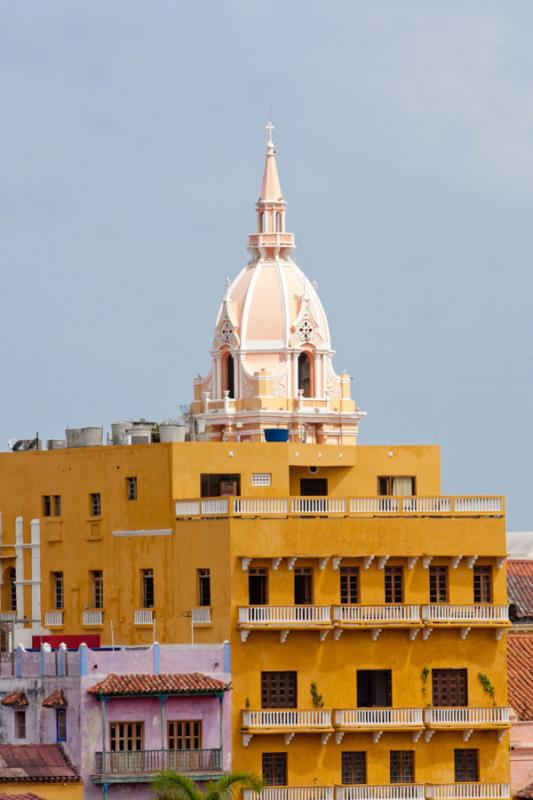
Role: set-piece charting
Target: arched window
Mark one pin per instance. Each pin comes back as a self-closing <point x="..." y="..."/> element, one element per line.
<point x="304" y="373"/>
<point x="228" y="375"/>
<point x="278" y="221"/>
<point x="261" y="221"/>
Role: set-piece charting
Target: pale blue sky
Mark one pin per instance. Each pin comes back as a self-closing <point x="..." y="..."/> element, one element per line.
<point x="131" y="150"/>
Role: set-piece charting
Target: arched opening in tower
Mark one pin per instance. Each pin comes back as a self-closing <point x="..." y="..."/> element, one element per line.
<point x="304" y="374"/>
<point x="229" y="377"/>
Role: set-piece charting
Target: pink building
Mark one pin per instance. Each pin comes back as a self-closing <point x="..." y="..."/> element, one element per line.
<point x="121" y="715"/>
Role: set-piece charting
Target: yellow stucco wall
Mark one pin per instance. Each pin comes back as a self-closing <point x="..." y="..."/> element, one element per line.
<point x="48" y="791"/>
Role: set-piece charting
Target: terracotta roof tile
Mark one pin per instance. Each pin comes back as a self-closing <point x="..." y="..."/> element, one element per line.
<point x="520" y="587"/>
<point x="24" y="796"/>
<point x="520" y="674"/>
<point x="526" y="793"/>
<point x="15" y="699"/>
<point x="166" y="683"/>
<point x="55" y="700"/>
<point x="35" y="762"/>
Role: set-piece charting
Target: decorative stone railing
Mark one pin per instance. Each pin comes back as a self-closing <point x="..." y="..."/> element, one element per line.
<point x="291" y="793"/>
<point x="290" y="719"/>
<point x="403" y="791"/>
<point x="468" y="791"/>
<point x="357" y="718"/>
<point x="143" y="616"/>
<point x="201" y="615"/>
<point x="466" y="614"/>
<point x="53" y="619"/>
<point x="340" y="506"/>
<point x="94" y="617"/>
<point x="382" y="615"/>
<point x="305" y="616"/>
<point x="471" y="717"/>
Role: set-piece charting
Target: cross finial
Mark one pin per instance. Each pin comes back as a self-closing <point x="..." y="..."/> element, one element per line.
<point x="270" y="128"/>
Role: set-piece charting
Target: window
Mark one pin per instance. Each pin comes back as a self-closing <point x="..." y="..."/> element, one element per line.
<point x="131" y="488"/>
<point x="126" y="736"/>
<point x="51" y="505"/>
<point x="402" y="766"/>
<point x="261" y="478"/>
<point x="304" y="372"/>
<point x="303" y="586"/>
<point x="257" y="587"/>
<point x="466" y="765"/>
<point x="278" y="690"/>
<point x="353" y="767"/>
<point x="394" y="584"/>
<point x="219" y="485"/>
<point x="438" y="584"/>
<point x="20" y="724"/>
<point x="349" y="584"/>
<point x="47" y="505"/>
<point x="482" y="584"/>
<point x="275" y="769"/>
<point x="314" y="487"/>
<point x="374" y="688"/>
<point x="204" y="587"/>
<point x="61" y="724"/>
<point x="12" y="585"/>
<point x="97" y="588"/>
<point x="184" y="734"/>
<point x="450" y="687"/>
<point x="228" y="379"/>
<point x="147" y="586"/>
<point x="95" y="504"/>
<point x="398" y="486"/>
<point x="58" y="594"/>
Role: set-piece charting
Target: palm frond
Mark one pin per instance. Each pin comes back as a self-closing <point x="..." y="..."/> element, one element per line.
<point x="224" y="787"/>
<point x="172" y="785"/>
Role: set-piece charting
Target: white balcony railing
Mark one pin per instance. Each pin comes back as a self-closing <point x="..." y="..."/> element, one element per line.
<point x="260" y="505"/>
<point x="201" y="615"/>
<point x="403" y="791"/>
<point x="387" y="614"/>
<point x="357" y="718"/>
<point x="466" y="613"/>
<point x="95" y="617"/>
<point x="53" y="619"/>
<point x="8" y="616"/>
<point x="318" y="505"/>
<point x="491" y="715"/>
<point x="468" y="791"/>
<point x="340" y="506"/>
<point x="288" y="718"/>
<point x="143" y="616"/>
<point x="291" y="793"/>
<point x="285" y="615"/>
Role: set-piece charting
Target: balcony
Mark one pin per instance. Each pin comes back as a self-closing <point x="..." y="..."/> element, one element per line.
<point x="377" y="721"/>
<point x="403" y="791"/>
<point x="468" y="791"/>
<point x="288" y="721"/>
<point x="8" y="616"/>
<point x="93" y="618"/>
<point x="492" y="506"/>
<point x="284" y="619"/>
<point x="468" y="719"/>
<point x="143" y="616"/>
<point x="139" y="765"/>
<point x="54" y="619"/>
<point x="201" y="615"/>
<point x="291" y="793"/>
<point x="467" y="617"/>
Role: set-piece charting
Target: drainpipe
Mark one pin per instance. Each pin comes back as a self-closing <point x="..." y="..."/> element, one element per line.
<point x="105" y="790"/>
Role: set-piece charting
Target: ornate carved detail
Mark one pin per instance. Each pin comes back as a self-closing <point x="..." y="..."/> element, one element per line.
<point x="279" y="384"/>
<point x="306" y="328"/>
<point x="333" y="385"/>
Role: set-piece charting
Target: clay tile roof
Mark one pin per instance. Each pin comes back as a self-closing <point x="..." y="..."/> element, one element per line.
<point x="520" y="674"/>
<point x="169" y="683"/>
<point x="15" y="699"/>
<point x="526" y="793"/>
<point x="520" y="587"/>
<point x="35" y="762"/>
<point x="24" y="796"/>
<point x="55" y="700"/>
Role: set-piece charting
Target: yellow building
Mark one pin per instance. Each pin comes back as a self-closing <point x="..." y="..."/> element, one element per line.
<point x="365" y="610"/>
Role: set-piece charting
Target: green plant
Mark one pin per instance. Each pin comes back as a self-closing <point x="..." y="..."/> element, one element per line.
<point x="171" y="785"/>
<point x="316" y="698"/>
<point x="247" y="703"/>
<point x="488" y="686"/>
<point x="424" y="678"/>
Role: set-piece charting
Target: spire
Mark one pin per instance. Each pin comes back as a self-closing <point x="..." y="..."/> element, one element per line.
<point x="270" y="188"/>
